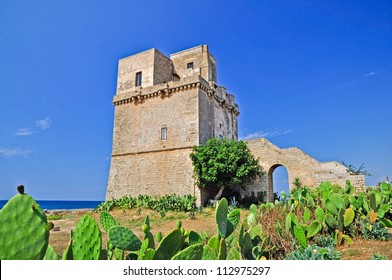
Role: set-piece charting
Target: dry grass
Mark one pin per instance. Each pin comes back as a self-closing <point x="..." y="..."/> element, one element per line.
<point x="363" y="249"/>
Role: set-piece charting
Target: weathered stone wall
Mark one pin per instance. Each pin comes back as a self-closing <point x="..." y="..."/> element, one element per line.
<point x="152" y="173"/>
<point x="299" y="165"/>
<point x="191" y="108"/>
<point x="138" y="126"/>
<point x="129" y="66"/>
<point x="204" y="63"/>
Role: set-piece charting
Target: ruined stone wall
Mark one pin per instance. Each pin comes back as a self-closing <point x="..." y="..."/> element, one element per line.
<point x="298" y="165"/>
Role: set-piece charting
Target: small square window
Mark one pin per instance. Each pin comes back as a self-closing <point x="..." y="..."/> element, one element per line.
<point x="138" y="79"/>
<point x="189" y="65"/>
<point x="163" y="133"/>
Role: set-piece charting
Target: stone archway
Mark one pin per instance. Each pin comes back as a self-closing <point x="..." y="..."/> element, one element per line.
<point x="298" y="165"/>
<point x="272" y="183"/>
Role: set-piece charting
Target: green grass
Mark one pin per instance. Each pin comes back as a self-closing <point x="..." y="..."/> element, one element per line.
<point x="54" y="217"/>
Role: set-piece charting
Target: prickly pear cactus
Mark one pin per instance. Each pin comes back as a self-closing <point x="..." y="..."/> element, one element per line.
<point x="124" y="239"/>
<point x="169" y="245"/>
<point x="147" y="233"/>
<point x="222" y="254"/>
<point x="24" y="230"/>
<point x="107" y="220"/>
<point x="158" y="236"/>
<point x="209" y="253"/>
<point x="299" y="235"/>
<point x="193" y="252"/>
<point x="221" y="217"/>
<point x="51" y="254"/>
<point x="86" y="240"/>
<point x="226" y="222"/>
<point x="233" y="254"/>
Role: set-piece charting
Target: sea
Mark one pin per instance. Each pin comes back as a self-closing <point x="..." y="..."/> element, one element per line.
<point x="62" y="204"/>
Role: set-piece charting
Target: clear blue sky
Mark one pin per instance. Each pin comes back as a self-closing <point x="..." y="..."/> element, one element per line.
<point x="313" y="75"/>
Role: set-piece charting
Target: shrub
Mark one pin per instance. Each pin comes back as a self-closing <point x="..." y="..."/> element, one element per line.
<point x="379" y="256"/>
<point x="375" y="231"/>
<point x="315" y="252"/>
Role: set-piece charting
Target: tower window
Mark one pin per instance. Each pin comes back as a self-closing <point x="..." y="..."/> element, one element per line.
<point x="163" y="133"/>
<point x="138" y="79"/>
<point x="190" y="65"/>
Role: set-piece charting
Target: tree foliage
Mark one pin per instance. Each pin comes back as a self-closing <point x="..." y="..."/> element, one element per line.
<point x="224" y="163"/>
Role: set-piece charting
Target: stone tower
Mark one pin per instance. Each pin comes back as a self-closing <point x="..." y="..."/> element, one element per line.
<point x="163" y="107"/>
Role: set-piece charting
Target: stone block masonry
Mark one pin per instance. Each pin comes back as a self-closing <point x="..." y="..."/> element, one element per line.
<point x="163" y="107"/>
<point x="166" y="105"/>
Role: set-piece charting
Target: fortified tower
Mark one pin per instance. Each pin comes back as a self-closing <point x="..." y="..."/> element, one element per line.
<point x="163" y="107"/>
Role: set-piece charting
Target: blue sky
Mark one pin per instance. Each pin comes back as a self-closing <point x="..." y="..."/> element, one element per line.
<point x="313" y="75"/>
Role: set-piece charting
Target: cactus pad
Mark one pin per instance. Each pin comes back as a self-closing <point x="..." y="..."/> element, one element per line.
<point x="107" y="220"/>
<point x="50" y="254"/>
<point x="194" y="238"/>
<point x="300" y="236"/>
<point x="86" y="240"/>
<point x="23" y="229"/>
<point x="233" y="254"/>
<point x="124" y="239"/>
<point x="221" y="217"/>
<point x="209" y="253"/>
<point x="193" y="252"/>
<point x="313" y="229"/>
<point x="169" y="245"/>
<point x="349" y="216"/>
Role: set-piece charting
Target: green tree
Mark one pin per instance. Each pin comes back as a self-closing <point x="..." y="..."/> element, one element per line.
<point x="222" y="163"/>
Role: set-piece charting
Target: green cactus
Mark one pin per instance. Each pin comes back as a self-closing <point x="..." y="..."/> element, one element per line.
<point x="214" y="243"/>
<point x="193" y="252"/>
<point x="158" y="236"/>
<point x="221" y="217"/>
<point x="233" y="254"/>
<point x="194" y="238"/>
<point x="319" y="213"/>
<point x="349" y="216"/>
<point x="124" y="239"/>
<point x="145" y="253"/>
<point x="67" y="255"/>
<point x="384" y="208"/>
<point x="24" y="228"/>
<point x="313" y="229"/>
<point x="310" y="202"/>
<point x="299" y="235"/>
<point x="226" y="223"/>
<point x="233" y="219"/>
<point x="247" y="246"/>
<point x="222" y="254"/>
<point x="306" y="215"/>
<point x="51" y="254"/>
<point x="86" y="240"/>
<point x="147" y="234"/>
<point x="209" y="253"/>
<point x="169" y="245"/>
<point x="372" y="202"/>
<point x="107" y="221"/>
<point x="331" y="221"/>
